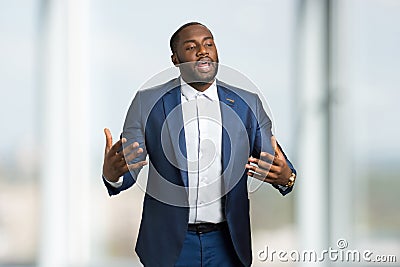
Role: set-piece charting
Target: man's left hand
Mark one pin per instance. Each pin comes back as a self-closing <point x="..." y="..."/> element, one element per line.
<point x="272" y="169"/>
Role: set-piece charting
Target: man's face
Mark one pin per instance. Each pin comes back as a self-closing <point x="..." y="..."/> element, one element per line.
<point x="196" y="55"/>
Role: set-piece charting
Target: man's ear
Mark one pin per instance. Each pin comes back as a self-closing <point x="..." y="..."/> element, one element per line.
<point x="175" y="59"/>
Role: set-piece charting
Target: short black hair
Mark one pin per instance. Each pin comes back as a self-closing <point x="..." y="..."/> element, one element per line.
<point x="175" y="37"/>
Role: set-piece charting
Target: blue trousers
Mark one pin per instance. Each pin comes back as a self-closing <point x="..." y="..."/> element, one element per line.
<point x="213" y="249"/>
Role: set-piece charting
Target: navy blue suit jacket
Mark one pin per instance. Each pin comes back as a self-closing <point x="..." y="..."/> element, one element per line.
<point x="155" y="120"/>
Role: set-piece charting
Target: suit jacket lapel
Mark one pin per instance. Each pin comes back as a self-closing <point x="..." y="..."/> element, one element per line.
<point x="226" y="101"/>
<point x="235" y="142"/>
<point x="174" y="124"/>
<point x="228" y="106"/>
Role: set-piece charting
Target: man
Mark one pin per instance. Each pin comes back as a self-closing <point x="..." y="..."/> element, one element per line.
<point x="203" y="138"/>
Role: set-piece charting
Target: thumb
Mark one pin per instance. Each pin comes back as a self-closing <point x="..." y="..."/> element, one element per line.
<point x="108" y="139"/>
<point x="274" y="144"/>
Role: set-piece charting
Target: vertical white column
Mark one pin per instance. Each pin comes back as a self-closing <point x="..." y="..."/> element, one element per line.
<point x="312" y="186"/>
<point x="54" y="160"/>
<point x="78" y="132"/>
<point x="65" y="142"/>
<point x="342" y="183"/>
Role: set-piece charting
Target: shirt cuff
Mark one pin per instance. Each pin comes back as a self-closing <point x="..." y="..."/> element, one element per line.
<point x="115" y="184"/>
<point x="282" y="187"/>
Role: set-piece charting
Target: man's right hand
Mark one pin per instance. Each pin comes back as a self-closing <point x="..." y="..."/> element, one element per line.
<point x="116" y="159"/>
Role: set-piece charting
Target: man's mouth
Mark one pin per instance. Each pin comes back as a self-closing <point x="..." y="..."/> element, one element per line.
<point x="204" y="64"/>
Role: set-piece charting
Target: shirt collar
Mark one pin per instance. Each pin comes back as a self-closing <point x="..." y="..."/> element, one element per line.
<point x="190" y="93"/>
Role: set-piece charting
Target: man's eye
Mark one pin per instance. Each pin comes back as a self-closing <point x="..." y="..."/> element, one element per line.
<point x="210" y="44"/>
<point x="190" y="47"/>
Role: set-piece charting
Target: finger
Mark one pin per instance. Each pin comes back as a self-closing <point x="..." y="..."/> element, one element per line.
<point x="261" y="177"/>
<point x="108" y="139"/>
<point x="122" y="157"/>
<point x="278" y="159"/>
<point x="253" y="160"/>
<point x="271" y="173"/>
<point x="128" y="149"/>
<point x="117" y="146"/>
<point x="137" y="165"/>
<point x="121" y="154"/>
<point x="266" y="157"/>
<point x="267" y="168"/>
<point x="278" y="152"/>
<point x="125" y="167"/>
<point x="134" y="154"/>
<point x="258" y="163"/>
<point x="266" y="164"/>
<point x="254" y="175"/>
<point x="269" y="177"/>
<point x="256" y="171"/>
<point x="251" y="168"/>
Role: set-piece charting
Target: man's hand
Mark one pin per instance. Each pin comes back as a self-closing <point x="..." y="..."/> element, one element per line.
<point x="116" y="159"/>
<point x="274" y="169"/>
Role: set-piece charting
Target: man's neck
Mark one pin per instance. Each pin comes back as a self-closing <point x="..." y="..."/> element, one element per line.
<point x="200" y="86"/>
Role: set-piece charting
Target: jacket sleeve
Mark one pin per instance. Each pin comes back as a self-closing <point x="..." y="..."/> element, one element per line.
<point x="262" y="141"/>
<point x="133" y="131"/>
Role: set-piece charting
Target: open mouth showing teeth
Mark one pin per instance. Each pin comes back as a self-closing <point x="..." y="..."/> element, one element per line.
<point x="203" y="64"/>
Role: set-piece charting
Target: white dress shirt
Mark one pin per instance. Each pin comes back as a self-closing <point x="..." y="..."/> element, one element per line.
<point x="203" y="134"/>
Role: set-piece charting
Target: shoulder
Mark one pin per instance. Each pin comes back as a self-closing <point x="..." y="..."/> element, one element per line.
<point x="159" y="90"/>
<point x="145" y="99"/>
<point x="249" y="97"/>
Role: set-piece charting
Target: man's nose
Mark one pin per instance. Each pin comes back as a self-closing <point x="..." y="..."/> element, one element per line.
<point x="202" y="51"/>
